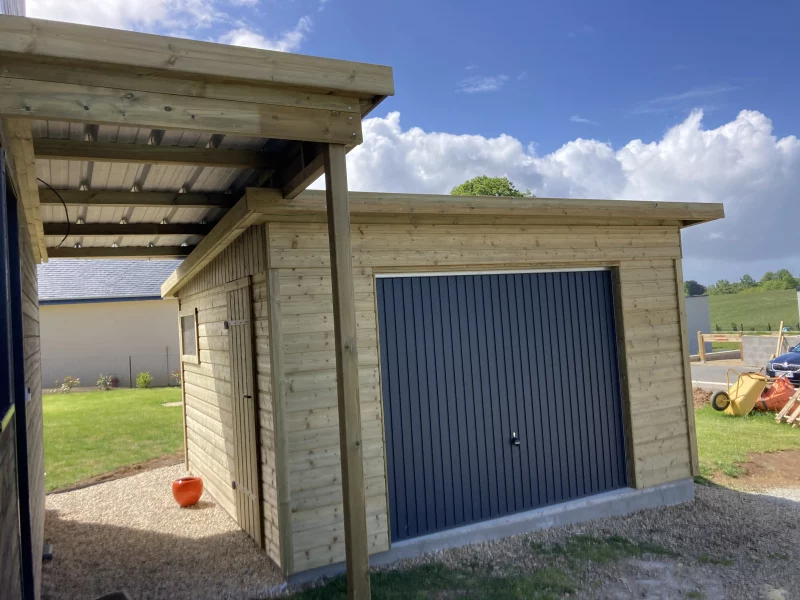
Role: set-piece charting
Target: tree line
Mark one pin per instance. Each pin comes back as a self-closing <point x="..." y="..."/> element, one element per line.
<point x="771" y="280"/>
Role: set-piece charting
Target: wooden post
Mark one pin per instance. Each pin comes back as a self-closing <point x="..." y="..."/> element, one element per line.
<point x="344" y="320"/>
<point x="701" y="347"/>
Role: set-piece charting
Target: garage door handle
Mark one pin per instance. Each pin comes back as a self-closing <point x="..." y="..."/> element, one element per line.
<point x="514" y="438"/>
<point x="247" y="396"/>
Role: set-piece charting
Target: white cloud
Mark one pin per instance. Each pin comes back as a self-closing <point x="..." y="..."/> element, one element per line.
<point x="586" y="29"/>
<point x="741" y="163"/>
<point x="129" y="14"/>
<point x="470" y="67"/>
<point x="478" y="84"/>
<point x="288" y="41"/>
<point x="683" y="100"/>
<point x="583" y="120"/>
<point x="522" y="75"/>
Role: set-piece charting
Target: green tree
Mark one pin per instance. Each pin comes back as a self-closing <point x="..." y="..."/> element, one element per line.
<point x="489" y="186"/>
<point x="747" y="282"/>
<point x="692" y="288"/>
<point x="723" y="286"/>
<point x="768" y="276"/>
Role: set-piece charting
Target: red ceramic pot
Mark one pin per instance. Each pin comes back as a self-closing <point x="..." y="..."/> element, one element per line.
<point x="187" y="490"/>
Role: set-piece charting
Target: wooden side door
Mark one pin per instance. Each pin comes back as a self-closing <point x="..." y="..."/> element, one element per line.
<point x="244" y="400"/>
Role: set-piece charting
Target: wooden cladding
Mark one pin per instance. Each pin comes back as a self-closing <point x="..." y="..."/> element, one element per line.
<point x="247" y="485"/>
<point x="243" y="257"/>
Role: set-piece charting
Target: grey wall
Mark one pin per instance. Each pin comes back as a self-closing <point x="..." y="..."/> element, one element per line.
<point x="697" y="319"/>
<point x="85" y="340"/>
<point x="758" y="349"/>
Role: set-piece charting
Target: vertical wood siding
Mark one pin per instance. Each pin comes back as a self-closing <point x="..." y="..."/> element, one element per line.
<point x="299" y="252"/>
<point x="467" y="361"/>
<point x="207" y="386"/>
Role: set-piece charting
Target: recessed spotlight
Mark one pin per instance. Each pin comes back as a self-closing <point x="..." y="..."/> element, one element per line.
<point x="123" y="221"/>
<point x="76" y="245"/>
<point x="164" y="221"/>
<point x="115" y="245"/>
<point x="151" y="245"/>
<point x="184" y="244"/>
<point x="79" y="221"/>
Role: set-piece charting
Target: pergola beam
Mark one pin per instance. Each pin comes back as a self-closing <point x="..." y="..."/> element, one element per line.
<point x="114" y="229"/>
<point x="17" y="139"/>
<point x="126" y="199"/>
<point x="122" y="252"/>
<point x="34" y="99"/>
<point x="153" y="155"/>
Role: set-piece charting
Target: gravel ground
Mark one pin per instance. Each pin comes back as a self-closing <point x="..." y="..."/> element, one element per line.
<point x="725" y="544"/>
<point x="131" y="534"/>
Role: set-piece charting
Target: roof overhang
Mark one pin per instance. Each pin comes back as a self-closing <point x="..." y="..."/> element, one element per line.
<point x="261" y="205"/>
<point x="162" y="133"/>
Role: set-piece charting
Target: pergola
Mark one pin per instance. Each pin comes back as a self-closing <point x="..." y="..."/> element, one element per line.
<point x="126" y="144"/>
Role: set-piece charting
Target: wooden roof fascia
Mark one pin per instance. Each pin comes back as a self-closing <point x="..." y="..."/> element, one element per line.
<point x="32" y="99"/>
<point x="82" y="44"/>
<point x="17" y="139"/>
<point x="232" y="225"/>
<point x="312" y="203"/>
<point x="55" y="149"/>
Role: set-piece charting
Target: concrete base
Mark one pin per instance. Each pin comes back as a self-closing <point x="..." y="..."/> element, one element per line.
<point x="609" y="504"/>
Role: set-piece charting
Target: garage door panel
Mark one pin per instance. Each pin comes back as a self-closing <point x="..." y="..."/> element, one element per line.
<point x="469" y="360"/>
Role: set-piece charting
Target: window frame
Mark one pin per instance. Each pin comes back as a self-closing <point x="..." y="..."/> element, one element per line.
<point x="190" y="358"/>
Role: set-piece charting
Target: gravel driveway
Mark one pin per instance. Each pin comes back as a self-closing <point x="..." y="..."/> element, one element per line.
<point x="131" y="534"/>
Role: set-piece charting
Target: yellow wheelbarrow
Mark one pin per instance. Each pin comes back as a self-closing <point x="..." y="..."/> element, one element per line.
<point x="742" y="396"/>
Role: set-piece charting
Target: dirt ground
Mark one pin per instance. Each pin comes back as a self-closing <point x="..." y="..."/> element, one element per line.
<point x="766" y="471"/>
<point x="701" y="397"/>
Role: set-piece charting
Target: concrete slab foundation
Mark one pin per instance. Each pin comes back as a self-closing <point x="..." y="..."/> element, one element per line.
<point x="609" y="504"/>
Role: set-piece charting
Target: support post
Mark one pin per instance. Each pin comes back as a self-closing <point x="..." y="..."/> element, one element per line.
<point x="344" y="319"/>
<point x="701" y="347"/>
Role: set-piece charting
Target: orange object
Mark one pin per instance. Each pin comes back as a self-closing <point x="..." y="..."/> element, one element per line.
<point x="187" y="490"/>
<point x="776" y="396"/>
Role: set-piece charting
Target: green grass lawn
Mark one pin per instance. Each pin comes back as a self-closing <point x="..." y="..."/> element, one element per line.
<point x="754" y="309"/>
<point x="89" y="433"/>
<point x="723" y="442"/>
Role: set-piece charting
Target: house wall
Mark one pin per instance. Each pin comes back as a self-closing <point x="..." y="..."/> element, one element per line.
<point x="207" y="385"/>
<point x="649" y="319"/>
<point x="33" y="383"/>
<point x="10" y="585"/>
<point x="86" y="339"/>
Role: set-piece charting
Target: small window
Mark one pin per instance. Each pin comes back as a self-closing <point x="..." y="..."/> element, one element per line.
<point x="189" y="347"/>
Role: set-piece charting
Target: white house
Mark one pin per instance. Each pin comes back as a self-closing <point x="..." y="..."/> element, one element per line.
<point x="107" y="317"/>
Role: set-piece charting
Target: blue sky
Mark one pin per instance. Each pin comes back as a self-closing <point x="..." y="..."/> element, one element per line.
<point x="554" y="95"/>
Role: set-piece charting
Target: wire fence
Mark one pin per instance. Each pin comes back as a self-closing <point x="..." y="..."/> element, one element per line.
<point x="753" y="328"/>
<point x="122" y="367"/>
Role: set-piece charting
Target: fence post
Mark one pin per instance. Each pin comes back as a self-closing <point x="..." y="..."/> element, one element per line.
<point x="168" y="382"/>
<point x="701" y="347"/>
<point x="130" y="372"/>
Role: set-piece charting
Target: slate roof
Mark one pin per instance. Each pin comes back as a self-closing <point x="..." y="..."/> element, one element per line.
<point x="71" y="279"/>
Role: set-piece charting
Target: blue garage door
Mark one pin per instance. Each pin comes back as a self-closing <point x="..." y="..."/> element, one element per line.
<point x="501" y="394"/>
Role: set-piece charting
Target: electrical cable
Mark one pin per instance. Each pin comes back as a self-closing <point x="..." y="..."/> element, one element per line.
<point x="66" y="214"/>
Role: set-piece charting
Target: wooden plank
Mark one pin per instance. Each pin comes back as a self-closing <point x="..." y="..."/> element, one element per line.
<point x="153" y="155"/>
<point x="279" y="427"/>
<point x="102" y="198"/>
<point x="619" y="318"/>
<point x="701" y="346"/>
<point x="98" y="105"/>
<point x="17" y="139"/>
<point x="115" y="229"/>
<point x="76" y="44"/>
<point x="230" y="227"/>
<point x="687" y="374"/>
<point x="122" y="252"/>
<point x="312" y="203"/>
<point x="355" y="516"/>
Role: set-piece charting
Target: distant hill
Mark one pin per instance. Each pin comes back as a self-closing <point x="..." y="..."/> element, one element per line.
<point x="754" y="309"/>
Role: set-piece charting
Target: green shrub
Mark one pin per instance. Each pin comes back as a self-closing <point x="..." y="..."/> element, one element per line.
<point x="67" y="384"/>
<point x="176" y="376"/>
<point x="104" y="382"/>
<point x="143" y="380"/>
